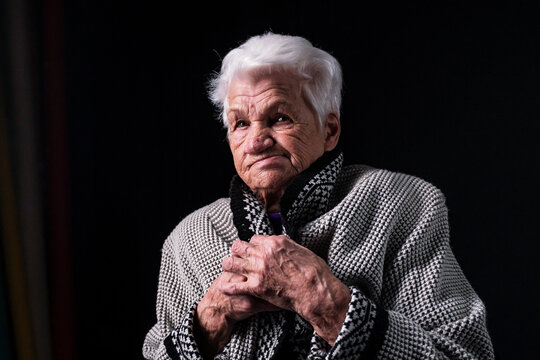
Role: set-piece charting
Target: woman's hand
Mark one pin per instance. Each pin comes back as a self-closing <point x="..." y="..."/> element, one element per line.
<point x="289" y="276"/>
<point x="217" y="313"/>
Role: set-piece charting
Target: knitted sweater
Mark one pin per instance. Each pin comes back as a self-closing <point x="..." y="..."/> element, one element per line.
<point x="383" y="234"/>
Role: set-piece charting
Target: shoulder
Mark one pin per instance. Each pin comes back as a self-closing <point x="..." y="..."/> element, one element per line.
<point x="212" y="222"/>
<point x="384" y="187"/>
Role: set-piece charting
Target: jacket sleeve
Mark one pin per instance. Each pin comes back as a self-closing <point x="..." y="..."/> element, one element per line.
<point x="174" y="309"/>
<point x="190" y="262"/>
<point x="154" y="346"/>
<point x="427" y="309"/>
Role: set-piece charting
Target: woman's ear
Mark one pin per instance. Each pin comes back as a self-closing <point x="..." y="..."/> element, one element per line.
<point x="332" y="130"/>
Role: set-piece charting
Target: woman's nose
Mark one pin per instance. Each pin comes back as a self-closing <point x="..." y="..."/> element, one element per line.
<point x="259" y="142"/>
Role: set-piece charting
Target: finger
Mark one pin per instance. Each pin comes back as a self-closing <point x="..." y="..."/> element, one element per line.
<point x="233" y="277"/>
<point x="235" y="288"/>
<point x="251" y="304"/>
<point x="257" y="239"/>
<point x="235" y="264"/>
<point x="241" y="248"/>
<point x="244" y="306"/>
<point x="270" y="241"/>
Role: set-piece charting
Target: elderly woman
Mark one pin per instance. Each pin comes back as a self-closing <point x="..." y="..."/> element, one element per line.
<point x="308" y="258"/>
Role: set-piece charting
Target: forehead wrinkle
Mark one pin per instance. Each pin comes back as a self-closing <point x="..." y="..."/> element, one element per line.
<point x="254" y="98"/>
<point x="271" y="103"/>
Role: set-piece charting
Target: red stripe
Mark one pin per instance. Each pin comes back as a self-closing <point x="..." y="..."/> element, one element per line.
<point x="62" y="308"/>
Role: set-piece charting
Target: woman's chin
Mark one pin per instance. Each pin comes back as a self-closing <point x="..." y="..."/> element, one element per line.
<point x="272" y="180"/>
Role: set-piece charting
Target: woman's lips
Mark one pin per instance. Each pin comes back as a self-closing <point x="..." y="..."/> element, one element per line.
<point x="268" y="160"/>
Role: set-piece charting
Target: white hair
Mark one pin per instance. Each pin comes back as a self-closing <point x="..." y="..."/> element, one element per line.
<point x="320" y="70"/>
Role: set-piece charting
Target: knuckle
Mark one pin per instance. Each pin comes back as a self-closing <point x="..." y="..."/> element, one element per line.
<point x="259" y="286"/>
<point x="263" y="259"/>
<point x="257" y="239"/>
<point x="310" y="275"/>
<point x="279" y="242"/>
<point x="235" y="289"/>
<point x="238" y="278"/>
<point x="240" y="265"/>
<point x="284" y="238"/>
<point x="236" y="245"/>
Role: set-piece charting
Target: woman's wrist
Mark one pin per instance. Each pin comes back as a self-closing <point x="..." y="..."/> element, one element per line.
<point x="328" y="310"/>
<point x="212" y="329"/>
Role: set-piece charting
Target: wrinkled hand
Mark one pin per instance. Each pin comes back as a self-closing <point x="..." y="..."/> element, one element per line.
<point x="217" y="313"/>
<point x="291" y="277"/>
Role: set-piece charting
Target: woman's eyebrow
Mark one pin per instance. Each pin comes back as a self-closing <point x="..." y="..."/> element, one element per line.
<point x="235" y="112"/>
<point x="283" y="105"/>
<point x="280" y="105"/>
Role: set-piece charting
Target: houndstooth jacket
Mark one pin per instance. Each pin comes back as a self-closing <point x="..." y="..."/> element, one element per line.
<point x="383" y="234"/>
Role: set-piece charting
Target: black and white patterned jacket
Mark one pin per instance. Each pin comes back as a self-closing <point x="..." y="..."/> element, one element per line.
<point x="383" y="234"/>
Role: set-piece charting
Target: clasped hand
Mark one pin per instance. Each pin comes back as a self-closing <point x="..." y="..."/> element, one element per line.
<point x="271" y="273"/>
<point x="277" y="270"/>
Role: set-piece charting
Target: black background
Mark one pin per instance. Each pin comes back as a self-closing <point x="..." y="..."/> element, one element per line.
<point x="447" y="93"/>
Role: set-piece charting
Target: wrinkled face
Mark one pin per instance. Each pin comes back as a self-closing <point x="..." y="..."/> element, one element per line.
<point x="274" y="134"/>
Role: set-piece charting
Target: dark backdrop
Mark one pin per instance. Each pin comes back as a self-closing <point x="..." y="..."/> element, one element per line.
<point x="447" y="93"/>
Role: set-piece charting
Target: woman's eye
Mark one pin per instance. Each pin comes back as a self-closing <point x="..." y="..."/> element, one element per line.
<point x="282" y="118"/>
<point x="240" y="124"/>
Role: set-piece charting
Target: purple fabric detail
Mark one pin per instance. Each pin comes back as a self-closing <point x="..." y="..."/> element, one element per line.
<point x="275" y="220"/>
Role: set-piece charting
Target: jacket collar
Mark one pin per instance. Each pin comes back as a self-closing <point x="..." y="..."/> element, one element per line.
<point x="304" y="200"/>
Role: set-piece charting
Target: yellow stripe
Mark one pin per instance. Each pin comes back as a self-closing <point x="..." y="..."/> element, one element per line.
<point x="13" y="256"/>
